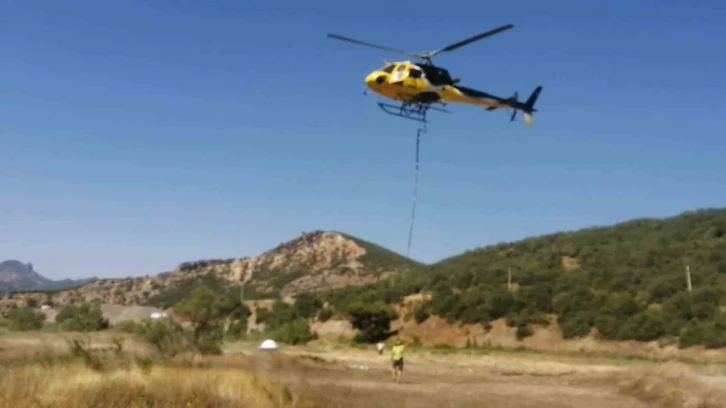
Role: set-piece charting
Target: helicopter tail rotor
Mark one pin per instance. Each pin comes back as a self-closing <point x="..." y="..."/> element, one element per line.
<point x="529" y="104"/>
<point x="527" y="107"/>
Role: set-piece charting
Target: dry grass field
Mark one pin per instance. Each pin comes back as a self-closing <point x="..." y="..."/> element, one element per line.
<point x="45" y="370"/>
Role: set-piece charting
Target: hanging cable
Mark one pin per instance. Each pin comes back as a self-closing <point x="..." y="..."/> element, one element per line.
<point x="415" y="188"/>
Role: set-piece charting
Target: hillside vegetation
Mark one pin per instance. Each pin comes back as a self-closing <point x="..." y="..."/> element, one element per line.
<point x="623" y="282"/>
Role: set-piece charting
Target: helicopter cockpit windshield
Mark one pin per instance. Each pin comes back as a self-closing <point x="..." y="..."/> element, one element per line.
<point x="388" y="68"/>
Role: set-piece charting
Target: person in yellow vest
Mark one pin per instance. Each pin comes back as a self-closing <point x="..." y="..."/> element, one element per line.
<point x="397" y="357"/>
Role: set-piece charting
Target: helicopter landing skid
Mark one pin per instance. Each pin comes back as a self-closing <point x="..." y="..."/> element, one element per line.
<point x="410" y="110"/>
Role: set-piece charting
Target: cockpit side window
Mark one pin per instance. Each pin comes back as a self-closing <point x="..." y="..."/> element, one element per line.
<point x="388" y="68"/>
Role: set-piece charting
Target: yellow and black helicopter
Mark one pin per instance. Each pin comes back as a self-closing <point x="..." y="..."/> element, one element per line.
<point x="418" y="86"/>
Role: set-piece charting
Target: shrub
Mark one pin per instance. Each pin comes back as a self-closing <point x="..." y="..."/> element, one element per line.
<point x="209" y="340"/>
<point x="77" y="349"/>
<point x="644" y="326"/>
<point x="574" y="326"/>
<point x="83" y="317"/>
<point x="704" y="311"/>
<point x="693" y="334"/>
<point x="523" y="330"/>
<point x="295" y="332"/>
<point x="165" y="335"/>
<point x="325" y="314"/>
<point x="620" y="305"/>
<point x="25" y="319"/>
<point x="126" y="326"/>
<point x="608" y="326"/>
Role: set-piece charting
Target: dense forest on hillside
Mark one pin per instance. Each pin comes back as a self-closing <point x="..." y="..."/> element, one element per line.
<point x="627" y="281"/>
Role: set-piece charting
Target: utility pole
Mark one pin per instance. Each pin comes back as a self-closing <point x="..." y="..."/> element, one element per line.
<point x="688" y="278"/>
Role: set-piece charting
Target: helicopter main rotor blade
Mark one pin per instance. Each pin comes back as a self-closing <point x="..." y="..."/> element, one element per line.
<point x="472" y="39"/>
<point x="351" y="40"/>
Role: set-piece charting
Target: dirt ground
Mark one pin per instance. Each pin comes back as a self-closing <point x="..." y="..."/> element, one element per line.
<point x="354" y="378"/>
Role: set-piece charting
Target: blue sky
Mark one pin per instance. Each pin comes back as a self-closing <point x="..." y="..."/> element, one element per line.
<point x="138" y="135"/>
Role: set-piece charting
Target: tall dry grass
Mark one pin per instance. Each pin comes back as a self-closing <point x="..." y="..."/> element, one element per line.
<point x="265" y="381"/>
<point x="88" y="375"/>
<point x="78" y="386"/>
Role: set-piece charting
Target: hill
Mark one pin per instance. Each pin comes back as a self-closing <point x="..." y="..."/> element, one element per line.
<point x="620" y="282"/>
<point x="313" y="262"/>
<point x="18" y="276"/>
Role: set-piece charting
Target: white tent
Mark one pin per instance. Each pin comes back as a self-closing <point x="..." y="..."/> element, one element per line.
<point x="268" y="345"/>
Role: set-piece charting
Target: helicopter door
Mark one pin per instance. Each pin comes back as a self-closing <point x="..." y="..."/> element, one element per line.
<point x="399" y="74"/>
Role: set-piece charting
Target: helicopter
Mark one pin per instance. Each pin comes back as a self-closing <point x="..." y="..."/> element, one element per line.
<point x="417" y="86"/>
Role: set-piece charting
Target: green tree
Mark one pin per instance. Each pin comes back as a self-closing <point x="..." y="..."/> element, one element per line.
<point x="205" y="311"/>
<point x="373" y="321"/>
<point x="238" y="321"/>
